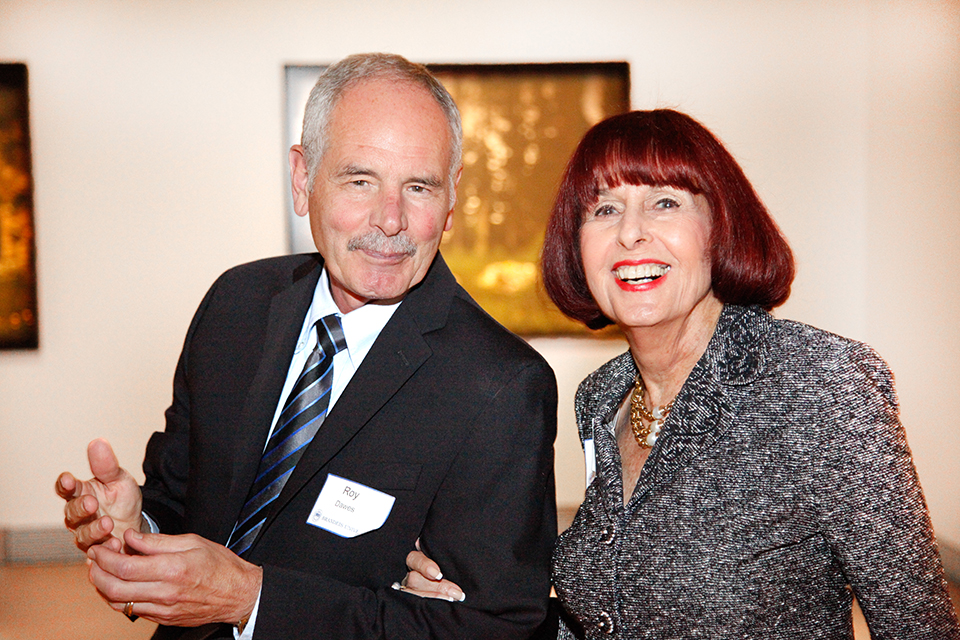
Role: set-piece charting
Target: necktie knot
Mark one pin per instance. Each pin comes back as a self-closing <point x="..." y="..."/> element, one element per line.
<point x="330" y="338"/>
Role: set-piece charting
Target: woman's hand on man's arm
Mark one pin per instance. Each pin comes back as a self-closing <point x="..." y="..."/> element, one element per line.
<point x="425" y="579"/>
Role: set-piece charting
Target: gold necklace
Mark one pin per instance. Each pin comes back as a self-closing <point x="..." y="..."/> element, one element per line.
<point x="646" y="435"/>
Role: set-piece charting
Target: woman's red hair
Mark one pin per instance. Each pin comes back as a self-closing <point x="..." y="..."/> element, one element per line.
<point x="751" y="261"/>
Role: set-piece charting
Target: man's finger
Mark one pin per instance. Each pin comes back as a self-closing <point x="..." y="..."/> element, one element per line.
<point x="157" y="543"/>
<point x="95" y="532"/>
<point x="67" y="486"/>
<point x="79" y="510"/>
<point x="119" y="580"/>
<point x="103" y="461"/>
<point x="113" y="544"/>
<point x="129" y="568"/>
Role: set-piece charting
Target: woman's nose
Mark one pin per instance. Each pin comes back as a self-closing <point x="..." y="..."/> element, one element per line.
<point x="634" y="228"/>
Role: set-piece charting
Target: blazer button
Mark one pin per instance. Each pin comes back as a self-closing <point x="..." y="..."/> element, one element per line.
<point x="605" y="623"/>
<point x="606" y="534"/>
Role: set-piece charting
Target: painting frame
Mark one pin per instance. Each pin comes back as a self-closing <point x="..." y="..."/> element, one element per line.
<point x="521" y="123"/>
<point x="18" y="274"/>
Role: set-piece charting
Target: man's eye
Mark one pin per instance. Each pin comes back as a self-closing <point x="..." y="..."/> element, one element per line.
<point x="418" y="188"/>
<point x="359" y="183"/>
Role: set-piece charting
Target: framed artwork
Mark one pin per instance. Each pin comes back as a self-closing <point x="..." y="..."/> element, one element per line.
<point x="18" y="275"/>
<point x="521" y="123"/>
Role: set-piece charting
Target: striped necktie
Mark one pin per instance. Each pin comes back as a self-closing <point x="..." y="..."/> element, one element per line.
<point x="301" y="417"/>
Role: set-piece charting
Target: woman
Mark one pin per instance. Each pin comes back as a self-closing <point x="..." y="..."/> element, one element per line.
<point x="747" y="468"/>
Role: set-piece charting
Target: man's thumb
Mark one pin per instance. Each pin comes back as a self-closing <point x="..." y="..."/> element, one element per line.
<point x="103" y="461"/>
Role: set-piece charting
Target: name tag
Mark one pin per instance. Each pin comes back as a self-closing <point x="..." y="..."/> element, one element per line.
<point x="349" y="509"/>
<point x="590" y="459"/>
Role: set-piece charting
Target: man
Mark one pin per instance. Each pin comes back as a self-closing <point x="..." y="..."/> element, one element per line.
<point x="438" y="426"/>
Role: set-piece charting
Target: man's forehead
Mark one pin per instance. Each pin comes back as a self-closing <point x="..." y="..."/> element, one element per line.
<point x="389" y="119"/>
<point x="383" y="92"/>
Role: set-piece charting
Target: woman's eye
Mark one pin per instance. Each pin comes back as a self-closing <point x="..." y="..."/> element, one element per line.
<point x="604" y="210"/>
<point x="667" y="203"/>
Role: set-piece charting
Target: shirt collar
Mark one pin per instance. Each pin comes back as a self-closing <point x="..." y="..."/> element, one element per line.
<point x="360" y="327"/>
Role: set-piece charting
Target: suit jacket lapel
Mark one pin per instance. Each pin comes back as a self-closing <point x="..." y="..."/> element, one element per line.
<point x="398" y="352"/>
<point x="395" y="356"/>
<point x="287" y="311"/>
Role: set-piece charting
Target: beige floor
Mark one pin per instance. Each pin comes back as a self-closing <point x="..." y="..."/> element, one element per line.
<point x="49" y="602"/>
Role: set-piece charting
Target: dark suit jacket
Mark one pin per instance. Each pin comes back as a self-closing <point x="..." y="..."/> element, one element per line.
<point x="449" y="413"/>
<point x="781" y="476"/>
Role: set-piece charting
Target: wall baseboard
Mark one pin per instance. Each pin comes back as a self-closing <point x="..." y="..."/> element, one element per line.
<point x="55" y="544"/>
<point x="38" y="545"/>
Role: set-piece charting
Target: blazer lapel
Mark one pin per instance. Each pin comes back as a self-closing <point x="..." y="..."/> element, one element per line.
<point x="706" y="407"/>
<point x="700" y="417"/>
<point x="285" y="319"/>
<point x="395" y="356"/>
<point x="601" y="393"/>
<point x="398" y="352"/>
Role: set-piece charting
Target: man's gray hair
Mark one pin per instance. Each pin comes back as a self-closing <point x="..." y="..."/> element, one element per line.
<point x="342" y="75"/>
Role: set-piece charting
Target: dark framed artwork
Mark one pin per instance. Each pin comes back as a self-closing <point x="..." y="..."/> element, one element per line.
<point x="18" y="276"/>
<point x="521" y="123"/>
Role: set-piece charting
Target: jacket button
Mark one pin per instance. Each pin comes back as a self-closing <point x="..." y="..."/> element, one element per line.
<point x="606" y="534"/>
<point x="605" y="623"/>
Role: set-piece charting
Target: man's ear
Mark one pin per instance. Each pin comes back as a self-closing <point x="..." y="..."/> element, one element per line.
<point x="448" y="224"/>
<point x="298" y="181"/>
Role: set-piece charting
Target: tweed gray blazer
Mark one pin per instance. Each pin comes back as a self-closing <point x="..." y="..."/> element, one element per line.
<point x="782" y="476"/>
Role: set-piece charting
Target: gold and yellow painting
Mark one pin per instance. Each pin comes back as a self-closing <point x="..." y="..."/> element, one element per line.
<point x="521" y="123"/>
<point x="18" y="279"/>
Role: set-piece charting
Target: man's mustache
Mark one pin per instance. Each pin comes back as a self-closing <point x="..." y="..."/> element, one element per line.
<point x="377" y="242"/>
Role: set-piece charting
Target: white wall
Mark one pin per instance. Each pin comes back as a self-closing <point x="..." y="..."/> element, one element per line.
<point x="158" y="163"/>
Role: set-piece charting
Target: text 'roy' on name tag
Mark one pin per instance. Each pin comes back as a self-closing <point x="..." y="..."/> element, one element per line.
<point x="349" y="509"/>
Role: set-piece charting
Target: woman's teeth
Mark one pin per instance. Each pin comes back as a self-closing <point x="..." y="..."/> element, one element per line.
<point x="642" y="272"/>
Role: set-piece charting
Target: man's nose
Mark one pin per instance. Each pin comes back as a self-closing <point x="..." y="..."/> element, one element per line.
<point x="390" y="215"/>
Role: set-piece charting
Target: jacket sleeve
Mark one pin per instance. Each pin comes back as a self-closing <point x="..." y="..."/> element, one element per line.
<point x="873" y="510"/>
<point x="166" y="464"/>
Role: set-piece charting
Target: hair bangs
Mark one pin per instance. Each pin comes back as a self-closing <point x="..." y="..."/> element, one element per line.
<point x="647" y="155"/>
